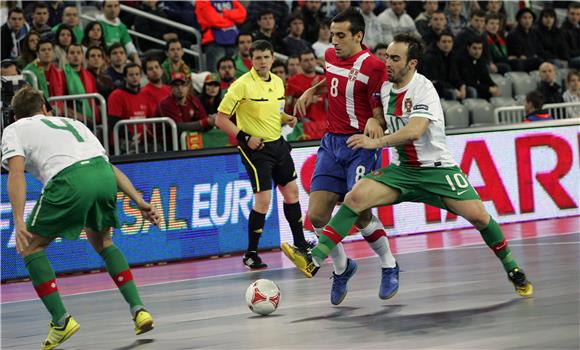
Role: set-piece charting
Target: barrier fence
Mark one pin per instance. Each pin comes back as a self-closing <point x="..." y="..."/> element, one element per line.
<point x="144" y="132"/>
<point x="516" y="114"/>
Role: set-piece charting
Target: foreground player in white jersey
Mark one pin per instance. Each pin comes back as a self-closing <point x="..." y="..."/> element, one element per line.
<point x="423" y="169"/>
<point x="80" y="191"/>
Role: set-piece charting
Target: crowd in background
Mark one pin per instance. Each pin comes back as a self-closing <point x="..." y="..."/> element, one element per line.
<point x="465" y="42"/>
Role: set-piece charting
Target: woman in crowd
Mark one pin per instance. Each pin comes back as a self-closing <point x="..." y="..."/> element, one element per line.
<point x="63" y="38"/>
<point x="210" y="94"/>
<point x="28" y="53"/>
<point x="572" y="93"/>
<point x="94" y="36"/>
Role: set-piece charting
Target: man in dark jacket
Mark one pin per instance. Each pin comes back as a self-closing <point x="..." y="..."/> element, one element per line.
<point x="440" y="67"/>
<point x="571" y="31"/>
<point x="474" y="72"/>
<point x="548" y="87"/>
<point x="13" y="33"/>
<point x="551" y="38"/>
<point x="524" y="48"/>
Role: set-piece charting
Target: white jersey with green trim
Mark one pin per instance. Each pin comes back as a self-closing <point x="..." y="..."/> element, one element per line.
<point x="49" y="144"/>
<point x="417" y="99"/>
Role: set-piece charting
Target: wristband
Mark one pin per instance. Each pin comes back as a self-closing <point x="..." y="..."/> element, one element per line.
<point x="243" y="137"/>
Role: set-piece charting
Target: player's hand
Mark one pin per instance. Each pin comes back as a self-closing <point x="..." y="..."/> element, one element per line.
<point x="373" y="129"/>
<point x="255" y="143"/>
<point x="291" y="121"/>
<point x="362" y="141"/>
<point x="23" y="237"/>
<point x="303" y="102"/>
<point x="149" y="212"/>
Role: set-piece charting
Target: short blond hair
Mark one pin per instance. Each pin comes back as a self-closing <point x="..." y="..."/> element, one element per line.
<point x="27" y="102"/>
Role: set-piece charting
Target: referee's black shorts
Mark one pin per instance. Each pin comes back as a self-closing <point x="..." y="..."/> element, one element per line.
<point x="271" y="163"/>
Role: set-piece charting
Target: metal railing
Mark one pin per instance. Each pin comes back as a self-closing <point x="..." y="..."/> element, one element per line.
<point x="134" y="138"/>
<point x="516" y="114"/>
<point x="99" y="128"/>
<point x="30" y="75"/>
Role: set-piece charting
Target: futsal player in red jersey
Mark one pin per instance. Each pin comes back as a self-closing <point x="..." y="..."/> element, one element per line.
<point x="354" y="77"/>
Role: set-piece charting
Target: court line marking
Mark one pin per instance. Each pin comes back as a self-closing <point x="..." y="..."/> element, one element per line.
<point x="473" y="245"/>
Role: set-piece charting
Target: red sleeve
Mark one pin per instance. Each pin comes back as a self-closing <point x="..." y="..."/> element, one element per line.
<point x="237" y="14"/>
<point x="115" y="104"/>
<point x="199" y="107"/>
<point x="208" y="17"/>
<point x="376" y="79"/>
<point x="166" y="108"/>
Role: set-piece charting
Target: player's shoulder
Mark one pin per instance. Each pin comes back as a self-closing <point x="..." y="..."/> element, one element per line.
<point x="330" y="55"/>
<point x="423" y="84"/>
<point x="374" y="62"/>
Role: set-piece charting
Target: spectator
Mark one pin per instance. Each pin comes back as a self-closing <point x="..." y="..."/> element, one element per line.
<point x="455" y="19"/>
<point x="118" y="59"/>
<point x="313" y="17"/>
<point x="184" y="108"/>
<point x="397" y="21"/>
<point x="548" y="86"/>
<point x="181" y="11"/>
<point x="115" y="31"/>
<point x="293" y="65"/>
<point x="497" y="49"/>
<point x="28" y="49"/>
<point x="9" y="68"/>
<point x="93" y="35"/>
<point x="50" y="78"/>
<point x="437" y="25"/>
<point x="572" y="94"/>
<point x="374" y="29"/>
<point x="174" y="62"/>
<point x="153" y="28"/>
<point x="280" y="69"/>
<point x="227" y="72"/>
<point x="323" y="42"/>
<point x="339" y="6"/>
<point x="533" y="104"/>
<point x="293" y="41"/>
<point x="70" y="17"/>
<point x="266" y="27"/>
<point x="79" y="81"/>
<point x="40" y="18"/>
<point x="278" y="8"/>
<point x="423" y="21"/>
<point x="475" y="30"/>
<point x="551" y="39"/>
<point x="242" y="57"/>
<point x="441" y="67"/>
<point x="155" y="90"/>
<point x="381" y="52"/>
<point x="571" y="30"/>
<point x="55" y="10"/>
<point x="95" y="57"/>
<point x="219" y="20"/>
<point x="495" y="8"/>
<point x="524" y="48"/>
<point x="127" y="103"/>
<point x="12" y="33"/>
<point x="211" y="94"/>
<point x="474" y="73"/>
<point x="64" y="37"/>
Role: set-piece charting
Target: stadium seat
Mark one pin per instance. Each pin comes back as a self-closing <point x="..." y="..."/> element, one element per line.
<point x="456" y="116"/>
<point x="446" y="104"/>
<point x="562" y="75"/>
<point x="520" y="99"/>
<point x="522" y="82"/>
<point x="503" y="84"/>
<point x="535" y="74"/>
<point x="502" y="102"/>
<point x="480" y="110"/>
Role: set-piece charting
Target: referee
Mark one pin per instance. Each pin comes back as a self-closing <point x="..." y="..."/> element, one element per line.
<point x="257" y="100"/>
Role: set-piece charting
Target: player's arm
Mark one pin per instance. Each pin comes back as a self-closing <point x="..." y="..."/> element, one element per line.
<point x="307" y="98"/>
<point x="147" y="210"/>
<point x="17" y="195"/>
<point x="414" y="129"/>
<point x="375" y="126"/>
<point x="289" y="120"/>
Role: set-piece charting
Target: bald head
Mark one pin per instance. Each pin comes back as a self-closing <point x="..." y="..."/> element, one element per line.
<point x="547" y="73"/>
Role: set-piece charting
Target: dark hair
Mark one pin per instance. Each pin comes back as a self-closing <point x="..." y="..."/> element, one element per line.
<point x="446" y="32"/>
<point x="414" y="46"/>
<point x="548" y="12"/>
<point x="354" y="17"/>
<point x="295" y="17"/>
<point x="39" y="5"/>
<point x="60" y="29"/>
<point x="524" y="10"/>
<point x="129" y="66"/>
<point x="474" y="40"/>
<point x="261" y="45"/>
<point x="380" y="46"/>
<point x="15" y="10"/>
<point x="492" y="16"/>
<point x="71" y="45"/>
<point x="243" y="34"/>
<point x="6" y="63"/>
<point x="325" y="23"/>
<point x="42" y="41"/>
<point x="307" y="52"/>
<point x="88" y="28"/>
<point x="91" y="48"/>
<point x="26" y="54"/>
<point x="27" y="102"/>
<point x="225" y="59"/>
<point x="115" y="46"/>
<point x="571" y="74"/>
<point x="477" y="13"/>
<point x="536" y="98"/>
<point x="172" y="41"/>
<point x="150" y="59"/>
<point x="294" y="56"/>
<point x="279" y="63"/>
<point x="266" y="12"/>
<point x="573" y="5"/>
<point x="441" y="12"/>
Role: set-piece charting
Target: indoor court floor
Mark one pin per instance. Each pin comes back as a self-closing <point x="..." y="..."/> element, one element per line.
<point x="454" y="294"/>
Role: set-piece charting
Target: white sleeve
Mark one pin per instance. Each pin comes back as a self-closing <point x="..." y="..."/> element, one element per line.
<point x="11" y="146"/>
<point x="425" y="103"/>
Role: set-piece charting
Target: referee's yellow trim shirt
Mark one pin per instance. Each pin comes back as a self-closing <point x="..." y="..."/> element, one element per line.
<point x="258" y="105"/>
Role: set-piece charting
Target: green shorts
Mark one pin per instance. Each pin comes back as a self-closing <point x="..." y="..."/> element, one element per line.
<point x="426" y="185"/>
<point x="81" y="195"/>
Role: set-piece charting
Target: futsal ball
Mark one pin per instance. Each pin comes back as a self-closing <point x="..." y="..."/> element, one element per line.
<point x="263" y="297"/>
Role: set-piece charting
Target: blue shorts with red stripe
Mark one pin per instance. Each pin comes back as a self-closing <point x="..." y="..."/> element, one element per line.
<point x="338" y="167"/>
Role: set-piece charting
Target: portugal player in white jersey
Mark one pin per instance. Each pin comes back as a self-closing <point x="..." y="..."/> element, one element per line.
<point x="80" y="191"/>
<point x="423" y="170"/>
<point x="353" y="80"/>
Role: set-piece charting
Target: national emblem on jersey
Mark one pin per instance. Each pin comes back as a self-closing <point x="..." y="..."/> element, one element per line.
<point x="408" y="105"/>
<point x="352" y="75"/>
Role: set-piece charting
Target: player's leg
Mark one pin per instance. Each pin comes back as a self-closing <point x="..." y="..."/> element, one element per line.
<point x="119" y="270"/>
<point x="474" y="212"/>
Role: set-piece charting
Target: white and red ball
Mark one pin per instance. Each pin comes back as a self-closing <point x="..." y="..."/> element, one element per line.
<point x="263" y="297"/>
